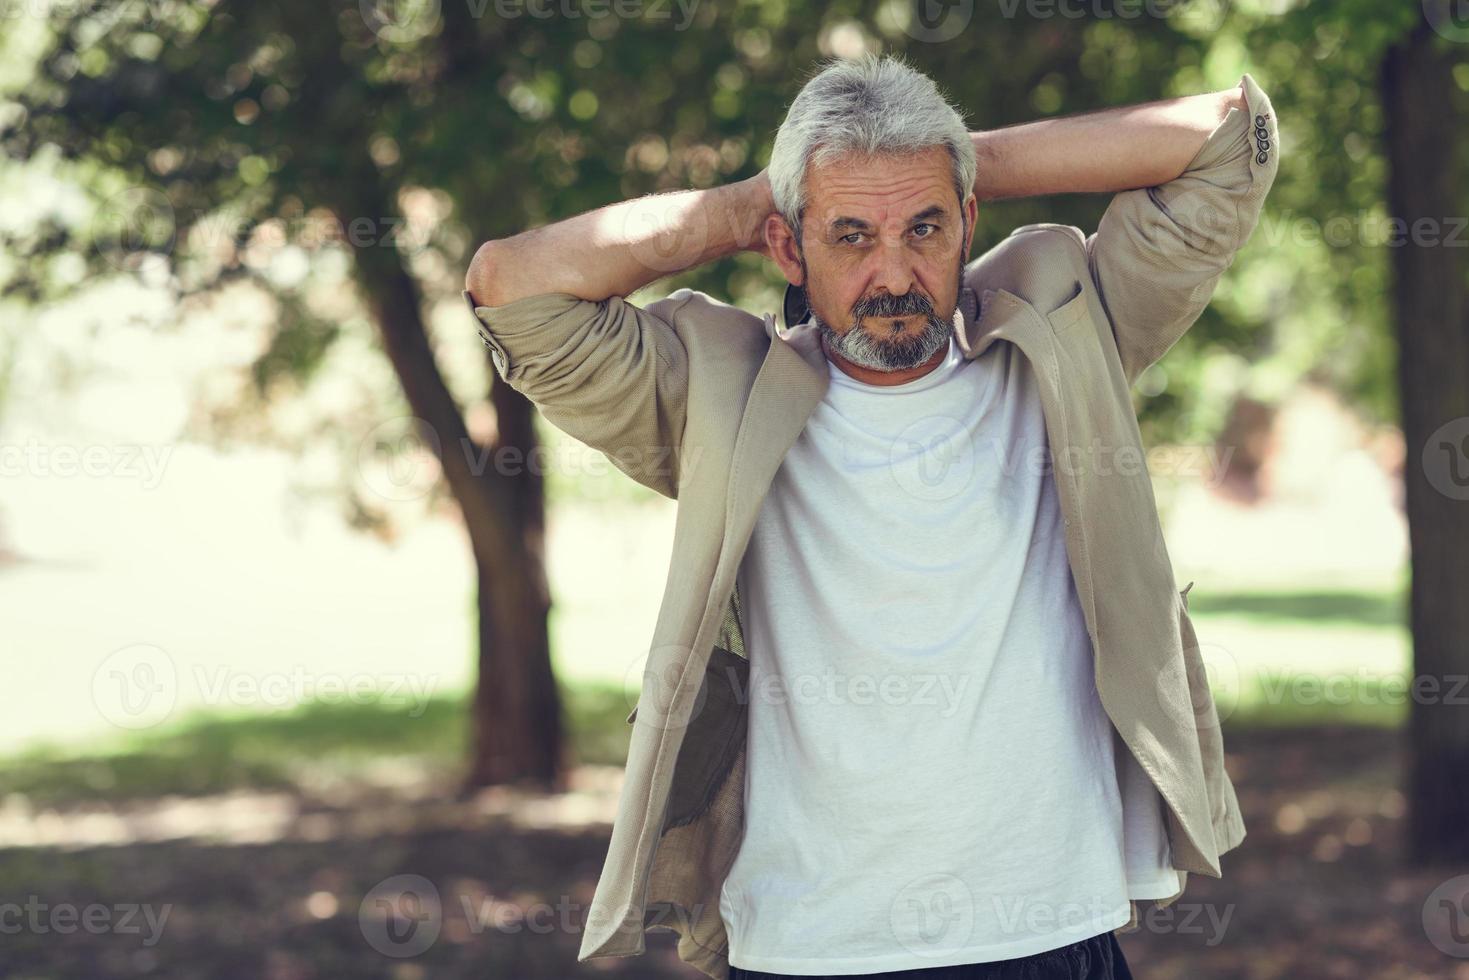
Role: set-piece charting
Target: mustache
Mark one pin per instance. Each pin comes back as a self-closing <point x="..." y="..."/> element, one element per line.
<point x="886" y="304"/>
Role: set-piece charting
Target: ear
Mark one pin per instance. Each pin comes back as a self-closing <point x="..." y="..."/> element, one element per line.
<point x="780" y="242"/>
<point x="971" y="220"/>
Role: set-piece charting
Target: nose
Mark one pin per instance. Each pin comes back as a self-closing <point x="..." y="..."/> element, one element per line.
<point x="894" y="271"/>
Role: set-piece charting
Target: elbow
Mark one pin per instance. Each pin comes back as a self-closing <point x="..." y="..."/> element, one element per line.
<point x="480" y="279"/>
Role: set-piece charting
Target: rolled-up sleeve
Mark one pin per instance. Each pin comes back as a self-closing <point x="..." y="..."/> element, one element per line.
<point x="608" y="373"/>
<point x="1159" y="252"/>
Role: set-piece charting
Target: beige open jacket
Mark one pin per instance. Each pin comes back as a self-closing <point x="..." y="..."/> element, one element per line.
<point x="700" y="401"/>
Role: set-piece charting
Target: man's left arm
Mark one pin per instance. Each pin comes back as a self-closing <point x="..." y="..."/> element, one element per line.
<point x="1190" y="177"/>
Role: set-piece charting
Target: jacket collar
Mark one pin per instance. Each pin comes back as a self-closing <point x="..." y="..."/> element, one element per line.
<point x="794" y="309"/>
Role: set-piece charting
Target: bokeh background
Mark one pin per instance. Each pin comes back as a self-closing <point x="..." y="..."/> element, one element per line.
<point x="317" y="643"/>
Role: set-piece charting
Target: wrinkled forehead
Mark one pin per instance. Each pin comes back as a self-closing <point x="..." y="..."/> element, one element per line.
<point x="880" y="189"/>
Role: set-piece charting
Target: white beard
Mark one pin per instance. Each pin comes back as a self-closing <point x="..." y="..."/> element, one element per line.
<point x="860" y="347"/>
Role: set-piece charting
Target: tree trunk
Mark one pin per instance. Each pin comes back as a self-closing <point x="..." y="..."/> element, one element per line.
<point x="1431" y="303"/>
<point x="517" y="711"/>
<point x="517" y="715"/>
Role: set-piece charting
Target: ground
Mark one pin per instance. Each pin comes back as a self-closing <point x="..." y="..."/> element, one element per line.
<point x="286" y="885"/>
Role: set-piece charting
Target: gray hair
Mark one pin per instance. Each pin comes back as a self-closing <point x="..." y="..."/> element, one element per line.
<point x="868" y="106"/>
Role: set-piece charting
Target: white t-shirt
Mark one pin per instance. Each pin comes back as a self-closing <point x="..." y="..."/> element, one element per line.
<point x="930" y="777"/>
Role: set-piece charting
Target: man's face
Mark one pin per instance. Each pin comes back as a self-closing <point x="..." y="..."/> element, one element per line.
<point x="884" y="243"/>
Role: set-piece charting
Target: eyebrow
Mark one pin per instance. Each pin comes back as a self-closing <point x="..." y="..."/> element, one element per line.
<point x="858" y="224"/>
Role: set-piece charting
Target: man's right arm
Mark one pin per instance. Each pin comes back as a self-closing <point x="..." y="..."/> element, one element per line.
<point x="618" y="249"/>
<point x="551" y="310"/>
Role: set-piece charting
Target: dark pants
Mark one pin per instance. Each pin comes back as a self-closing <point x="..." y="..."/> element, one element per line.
<point x="1097" y="958"/>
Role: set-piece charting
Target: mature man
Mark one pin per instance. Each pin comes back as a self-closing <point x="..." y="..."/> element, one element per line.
<point x="923" y="698"/>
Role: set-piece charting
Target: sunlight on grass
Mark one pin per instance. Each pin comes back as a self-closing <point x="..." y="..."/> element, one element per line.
<point x="312" y="748"/>
<point x="1273" y="659"/>
<point x="1307" y="657"/>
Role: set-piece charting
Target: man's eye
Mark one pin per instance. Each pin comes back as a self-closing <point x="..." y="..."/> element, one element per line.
<point x="852" y="238"/>
<point x="932" y="228"/>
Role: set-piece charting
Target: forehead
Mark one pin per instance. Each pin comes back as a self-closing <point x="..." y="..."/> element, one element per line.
<point x="887" y="187"/>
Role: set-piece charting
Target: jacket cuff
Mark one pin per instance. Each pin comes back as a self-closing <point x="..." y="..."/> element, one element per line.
<point x="1261" y="116"/>
<point x="1246" y="143"/>
<point x="497" y="352"/>
<point x="530" y="316"/>
<point x="533" y="323"/>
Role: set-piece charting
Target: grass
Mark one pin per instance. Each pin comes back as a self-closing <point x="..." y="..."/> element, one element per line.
<point x="1280" y="647"/>
<point x="1306" y="657"/>
<point x="311" y="745"/>
<point x="1358" y="607"/>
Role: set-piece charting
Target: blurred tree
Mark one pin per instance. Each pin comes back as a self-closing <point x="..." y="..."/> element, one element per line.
<point x="244" y="125"/>
<point x="1431" y="309"/>
<point x="1376" y="102"/>
<point x="1372" y="102"/>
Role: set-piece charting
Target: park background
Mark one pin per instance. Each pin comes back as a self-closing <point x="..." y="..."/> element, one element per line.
<point x="267" y="647"/>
